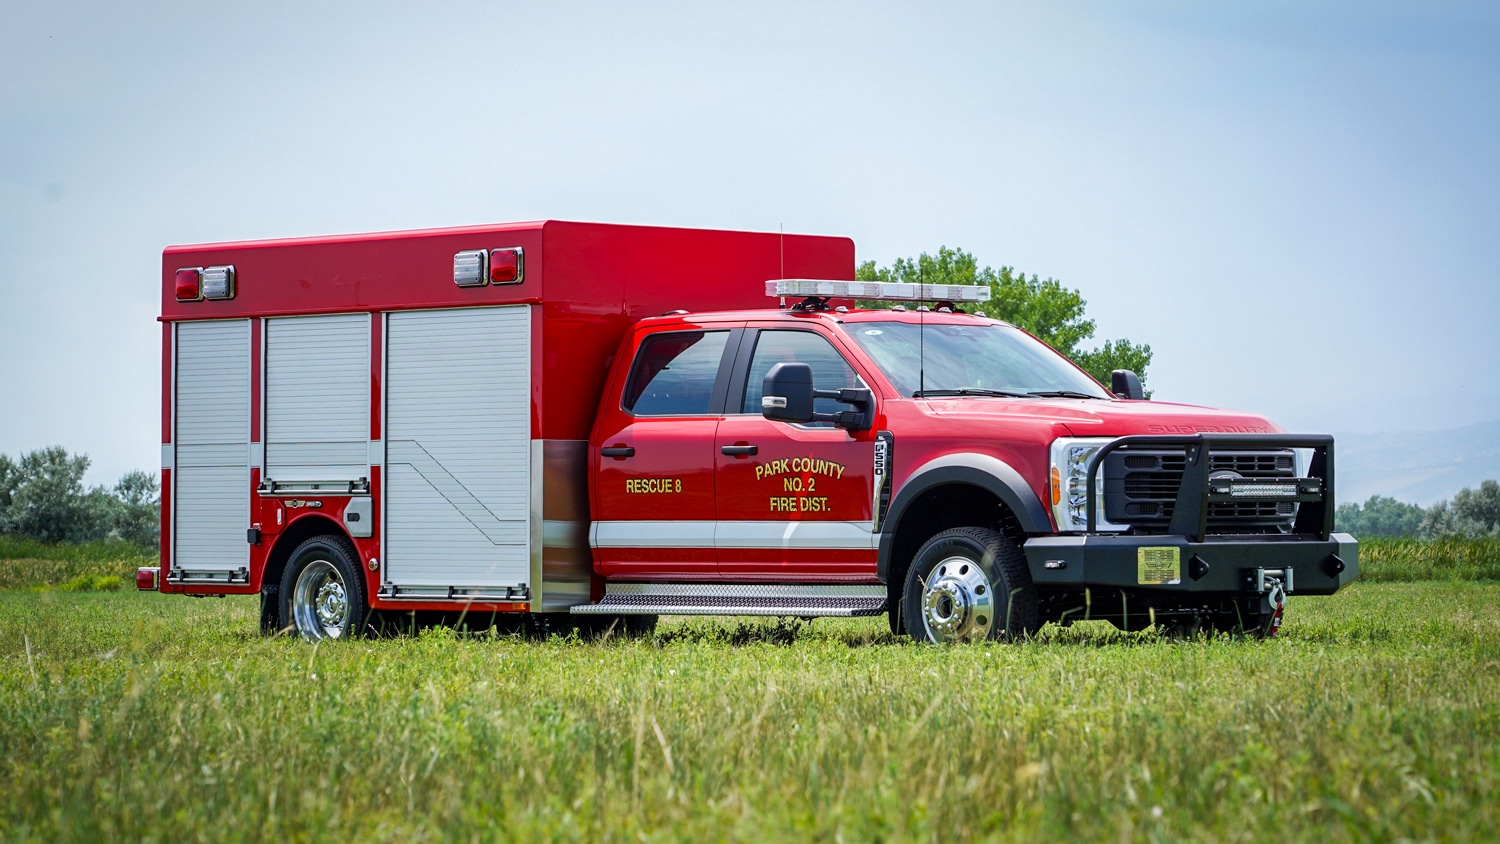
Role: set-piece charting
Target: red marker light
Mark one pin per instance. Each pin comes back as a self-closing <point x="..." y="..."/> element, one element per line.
<point x="189" y="285"/>
<point x="507" y="266"/>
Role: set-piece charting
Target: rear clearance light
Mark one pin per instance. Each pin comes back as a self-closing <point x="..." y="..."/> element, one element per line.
<point x="189" y="284"/>
<point x="468" y="268"/>
<point x="507" y="266"/>
<point x="194" y="284"/>
<point x="478" y="267"/>
<point x="883" y="290"/>
<point x="145" y="579"/>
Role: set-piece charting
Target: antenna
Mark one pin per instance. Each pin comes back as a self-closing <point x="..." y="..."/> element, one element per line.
<point x="782" y="226"/>
<point x="921" y="331"/>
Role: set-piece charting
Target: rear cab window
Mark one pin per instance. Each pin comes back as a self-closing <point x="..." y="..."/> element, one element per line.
<point x="674" y="374"/>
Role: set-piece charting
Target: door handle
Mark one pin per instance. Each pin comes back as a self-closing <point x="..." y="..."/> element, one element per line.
<point x="737" y="450"/>
<point x="618" y="451"/>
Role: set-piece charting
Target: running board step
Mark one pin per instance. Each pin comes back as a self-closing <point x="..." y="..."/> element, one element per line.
<point x="807" y="601"/>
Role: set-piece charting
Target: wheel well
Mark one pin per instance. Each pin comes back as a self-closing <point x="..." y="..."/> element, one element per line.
<point x="936" y="510"/>
<point x="295" y="534"/>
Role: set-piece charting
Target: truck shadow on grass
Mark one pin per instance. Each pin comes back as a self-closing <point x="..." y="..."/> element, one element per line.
<point x="738" y="632"/>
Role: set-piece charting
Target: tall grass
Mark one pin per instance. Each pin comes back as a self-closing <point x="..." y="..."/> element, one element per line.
<point x="1386" y="560"/>
<point x="1375" y="716"/>
<point x="103" y="565"/>
<point x="92" y="566"/>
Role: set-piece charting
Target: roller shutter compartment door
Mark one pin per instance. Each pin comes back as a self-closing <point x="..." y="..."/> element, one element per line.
<point x="211" y="481"/>
<point x="458" y="433"/>
<point x="318" y="398"/>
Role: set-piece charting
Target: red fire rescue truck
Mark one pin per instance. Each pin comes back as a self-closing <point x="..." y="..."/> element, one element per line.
<point x="574" y="421"/>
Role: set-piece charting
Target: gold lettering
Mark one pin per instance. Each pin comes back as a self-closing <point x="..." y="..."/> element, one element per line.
<point x="650" y="486"/>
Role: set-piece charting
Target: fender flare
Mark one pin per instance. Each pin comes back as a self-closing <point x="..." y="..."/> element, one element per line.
<point x="981" y="470"/>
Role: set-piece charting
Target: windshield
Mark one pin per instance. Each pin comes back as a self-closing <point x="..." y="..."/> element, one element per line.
<point x="978" y="359"/>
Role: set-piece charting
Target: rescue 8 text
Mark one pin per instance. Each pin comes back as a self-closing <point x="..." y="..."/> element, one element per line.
<point x="653" y="485"/>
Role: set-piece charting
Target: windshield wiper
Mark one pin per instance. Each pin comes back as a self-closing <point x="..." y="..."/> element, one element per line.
<point x="1064" y="394"/>
<point x="970" y="391"/>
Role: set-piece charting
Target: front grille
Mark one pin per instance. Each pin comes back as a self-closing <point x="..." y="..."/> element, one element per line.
<point x="1140" y="490"/>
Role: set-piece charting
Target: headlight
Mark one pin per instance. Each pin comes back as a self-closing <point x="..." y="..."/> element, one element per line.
<point x="1069" y="477"/>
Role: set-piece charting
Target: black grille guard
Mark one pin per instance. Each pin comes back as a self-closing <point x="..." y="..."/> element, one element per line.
<point x="1190" y="512"/>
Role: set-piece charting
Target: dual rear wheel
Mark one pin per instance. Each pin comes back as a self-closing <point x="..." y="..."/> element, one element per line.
<point x="322" y="595"/>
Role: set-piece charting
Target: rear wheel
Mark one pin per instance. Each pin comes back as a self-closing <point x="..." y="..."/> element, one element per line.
<point x="323" y="592"/>
<point x="969" y="584"/>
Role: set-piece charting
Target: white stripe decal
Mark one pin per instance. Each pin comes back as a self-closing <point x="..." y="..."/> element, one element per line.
<point x="810" y="535"/>
<point x="733" y="534"/>
<point x="643" y="534"/>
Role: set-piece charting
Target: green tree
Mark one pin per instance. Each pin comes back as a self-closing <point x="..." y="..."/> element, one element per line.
<point x="42" y="497"/>
<point x="1472" y="513"/>
<point x="1043" y="307"/>
<point x="1380" y="516"/>
<point x="47" y="497"/>
<point x="138" y="515"/>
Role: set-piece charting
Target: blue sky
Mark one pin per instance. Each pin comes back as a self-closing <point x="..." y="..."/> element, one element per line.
<point x="1296" y="204"/>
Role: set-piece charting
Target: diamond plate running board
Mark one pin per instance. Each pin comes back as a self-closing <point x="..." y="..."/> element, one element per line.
<point x="811" y="600"/>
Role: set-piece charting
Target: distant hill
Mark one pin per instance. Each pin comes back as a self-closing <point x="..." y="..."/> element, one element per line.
<point x="1417" y="467"/>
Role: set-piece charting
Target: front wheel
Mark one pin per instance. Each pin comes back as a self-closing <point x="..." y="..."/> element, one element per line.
<point x="322" y="591"/>
<point x="969" y="584"/>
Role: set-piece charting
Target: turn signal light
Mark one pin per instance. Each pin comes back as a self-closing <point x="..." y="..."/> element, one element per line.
<point x="145" y="578"/>
<point x="189" y="284"/>
<point x="507" y="266"/>
<point x="1056" y="486"/>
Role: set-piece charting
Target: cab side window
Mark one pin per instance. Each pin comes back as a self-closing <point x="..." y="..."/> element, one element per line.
<point x="830" y="370"/>
<point x="674" y="373"/>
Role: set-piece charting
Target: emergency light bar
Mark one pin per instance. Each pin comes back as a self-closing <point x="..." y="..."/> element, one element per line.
<point x="884" y="290"/>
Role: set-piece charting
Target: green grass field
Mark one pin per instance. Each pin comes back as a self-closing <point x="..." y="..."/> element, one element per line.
<point x="1375" y="716"/>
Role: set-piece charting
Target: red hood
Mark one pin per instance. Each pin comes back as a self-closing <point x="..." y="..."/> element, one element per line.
<point x="1092" y="418"/>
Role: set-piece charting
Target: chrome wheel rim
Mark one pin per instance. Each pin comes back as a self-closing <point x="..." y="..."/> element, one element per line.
<point x="320" y="603"/>
<point x="958" y="602"/>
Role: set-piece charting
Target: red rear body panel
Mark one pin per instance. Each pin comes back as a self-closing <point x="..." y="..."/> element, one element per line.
<point x="588" y="284"/>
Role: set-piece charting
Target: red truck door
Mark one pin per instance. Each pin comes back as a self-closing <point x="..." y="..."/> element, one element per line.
<point x="795" y="501"/>
<point x="654" y="483"/>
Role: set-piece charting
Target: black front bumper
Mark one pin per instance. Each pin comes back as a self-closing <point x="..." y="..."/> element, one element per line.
<point x="1215" y="565"/>
<point x="1190" y="561"/>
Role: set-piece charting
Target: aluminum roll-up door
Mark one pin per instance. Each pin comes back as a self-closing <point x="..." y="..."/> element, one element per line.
<point x="211" y="481"/>
<point x="318" y="398"/>
<point x="458" y="433"/>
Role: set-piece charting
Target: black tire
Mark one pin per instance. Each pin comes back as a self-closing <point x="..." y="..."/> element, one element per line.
<point x="270" y="609"/>
<point x="323" y="591"/>
<point x="893" y="617"/>
<point x="969" y="584"/>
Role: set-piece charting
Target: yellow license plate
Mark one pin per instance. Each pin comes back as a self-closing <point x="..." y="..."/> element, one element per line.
<point x="1159" y="566"/>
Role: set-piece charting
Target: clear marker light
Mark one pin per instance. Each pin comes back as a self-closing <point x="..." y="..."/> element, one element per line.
<point x="218" y="282"/>
<point x="468" y="268"/>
